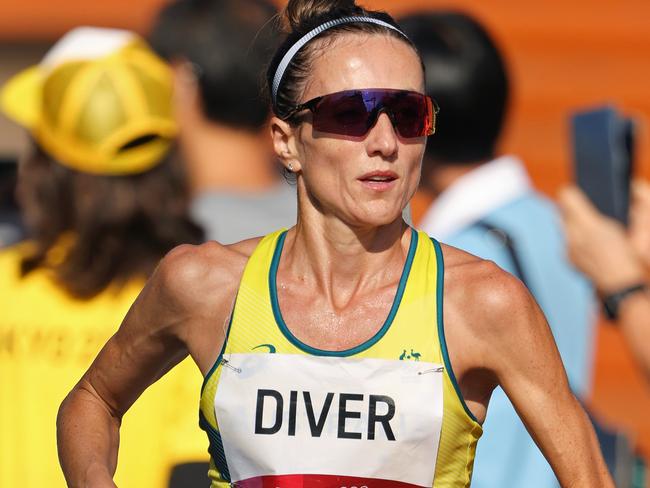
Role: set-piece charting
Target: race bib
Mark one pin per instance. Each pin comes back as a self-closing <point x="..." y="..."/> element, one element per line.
<point x="307" y="421"/>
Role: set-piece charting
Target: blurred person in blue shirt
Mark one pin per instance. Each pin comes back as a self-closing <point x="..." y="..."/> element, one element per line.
<point x="485" y="204"/>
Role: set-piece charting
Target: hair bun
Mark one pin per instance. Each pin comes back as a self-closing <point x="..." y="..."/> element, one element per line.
<point x="304" y="12"/>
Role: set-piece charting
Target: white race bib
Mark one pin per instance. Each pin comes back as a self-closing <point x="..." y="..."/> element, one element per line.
<point x="333" y="422"/>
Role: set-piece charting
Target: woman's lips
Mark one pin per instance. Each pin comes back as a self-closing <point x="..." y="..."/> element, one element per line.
<point x="379" y="180"/>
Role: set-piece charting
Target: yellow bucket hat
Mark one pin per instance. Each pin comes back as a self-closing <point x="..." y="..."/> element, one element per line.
<point x="100" y="102"/>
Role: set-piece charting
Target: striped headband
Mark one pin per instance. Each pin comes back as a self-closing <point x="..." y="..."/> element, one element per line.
<point x="286" y="59"/>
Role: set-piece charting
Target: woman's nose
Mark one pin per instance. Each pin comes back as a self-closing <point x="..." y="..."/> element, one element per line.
<point x="382" y="139"/>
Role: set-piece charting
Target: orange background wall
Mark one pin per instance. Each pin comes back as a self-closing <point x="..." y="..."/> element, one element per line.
<point x="562" y="55"/>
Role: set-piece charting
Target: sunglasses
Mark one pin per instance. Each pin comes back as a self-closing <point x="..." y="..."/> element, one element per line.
<point x="355" y="112"/>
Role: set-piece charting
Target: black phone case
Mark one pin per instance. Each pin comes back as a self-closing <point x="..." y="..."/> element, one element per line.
<point x="602" y="153"/>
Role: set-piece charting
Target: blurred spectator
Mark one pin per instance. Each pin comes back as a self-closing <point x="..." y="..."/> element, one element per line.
<point x="617" y="261"/>
<point x="218" y="50"/>
<point x="11" y="230"/>
<point x="103" y="202"/>
<point x="485" y="204"/>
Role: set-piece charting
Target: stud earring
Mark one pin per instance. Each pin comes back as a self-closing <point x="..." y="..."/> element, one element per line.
<point x="290" y="166"/>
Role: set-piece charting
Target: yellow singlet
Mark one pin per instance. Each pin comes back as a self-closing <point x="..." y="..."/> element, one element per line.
<point x="387" y="413"/>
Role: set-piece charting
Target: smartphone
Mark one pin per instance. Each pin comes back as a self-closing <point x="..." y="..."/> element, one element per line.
<point x="603" y="150"/>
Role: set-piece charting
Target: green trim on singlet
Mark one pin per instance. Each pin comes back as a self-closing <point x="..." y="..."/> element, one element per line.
<point x="273" y="272"/>
<point x="440" y="285"/>
<point x="220" y="356"/>
<point x="215" y="449"/>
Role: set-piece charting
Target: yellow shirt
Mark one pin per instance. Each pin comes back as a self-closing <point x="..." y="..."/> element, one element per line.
<point x="387" y="413"/>
<point x="47" y="341"/>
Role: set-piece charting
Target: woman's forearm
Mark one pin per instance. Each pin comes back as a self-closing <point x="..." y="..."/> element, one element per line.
<point x="88" y="439"/>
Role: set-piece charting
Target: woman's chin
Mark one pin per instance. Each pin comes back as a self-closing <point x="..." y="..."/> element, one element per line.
<point x="377" y="217"/>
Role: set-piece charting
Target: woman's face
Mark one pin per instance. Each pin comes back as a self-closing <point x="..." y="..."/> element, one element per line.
<point x="361" y="180"/>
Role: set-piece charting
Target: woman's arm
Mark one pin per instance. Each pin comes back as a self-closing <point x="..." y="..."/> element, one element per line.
<point x="497" y="335"/>
<point x="525" y="362"/>
<point x="160" y="328"/>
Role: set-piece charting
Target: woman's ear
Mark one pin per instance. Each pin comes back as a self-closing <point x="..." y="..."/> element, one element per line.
<point x="285" y="144"/>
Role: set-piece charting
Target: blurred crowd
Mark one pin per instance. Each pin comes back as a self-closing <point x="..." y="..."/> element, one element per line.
<point x="137" y="145"/>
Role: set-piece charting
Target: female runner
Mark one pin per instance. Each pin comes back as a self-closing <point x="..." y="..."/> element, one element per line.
<point x="350" y="350"/>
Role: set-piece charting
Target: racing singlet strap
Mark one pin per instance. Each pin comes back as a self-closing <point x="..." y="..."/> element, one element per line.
<point x="386" y="413"/>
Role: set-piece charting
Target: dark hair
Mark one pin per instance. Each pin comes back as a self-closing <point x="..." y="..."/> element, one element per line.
<point x="227" y="42"/>
<point x="467" y="77"/>
<point x="119" y="227"/>
<point x="302" y="16"/>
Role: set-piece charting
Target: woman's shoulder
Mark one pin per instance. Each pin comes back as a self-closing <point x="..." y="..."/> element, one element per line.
<point x="189" y="271"/>
<point x="191" y="294"/>
<point x="207" y="262"/>
<point x="488" y="295"/>
<point x="489" y="314"/>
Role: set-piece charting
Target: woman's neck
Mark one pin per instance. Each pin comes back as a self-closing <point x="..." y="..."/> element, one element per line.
<point x="338" y="258"/>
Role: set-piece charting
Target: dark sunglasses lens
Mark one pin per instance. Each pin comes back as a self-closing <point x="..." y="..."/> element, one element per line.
<point x="353" y="113"/>
<point x="342" y="113"/>
<point x="410" y="113"/>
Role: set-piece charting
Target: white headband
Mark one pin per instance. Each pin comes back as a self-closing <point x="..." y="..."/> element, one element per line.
<point x="286" y="59"/>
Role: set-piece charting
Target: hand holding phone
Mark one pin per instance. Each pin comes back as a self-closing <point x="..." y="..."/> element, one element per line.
<point x="603" y="144"/>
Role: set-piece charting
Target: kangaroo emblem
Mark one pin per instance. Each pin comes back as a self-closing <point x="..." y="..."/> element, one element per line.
<point x="414" y="355"/>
